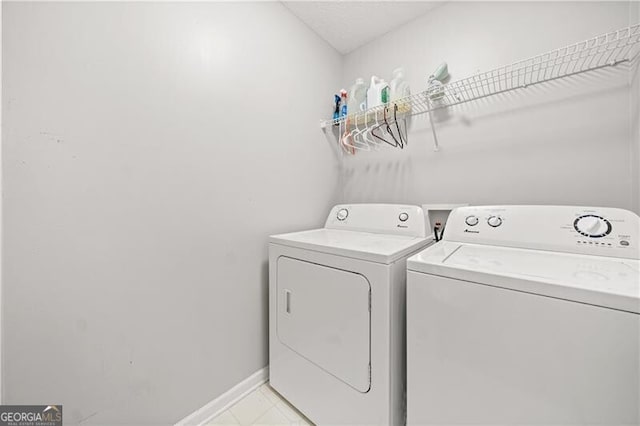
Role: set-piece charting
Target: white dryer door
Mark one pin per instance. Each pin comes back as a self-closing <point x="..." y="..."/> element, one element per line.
<point x="323" y="315"/>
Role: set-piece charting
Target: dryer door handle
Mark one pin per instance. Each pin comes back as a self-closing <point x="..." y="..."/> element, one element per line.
<point x="287" y="301"/>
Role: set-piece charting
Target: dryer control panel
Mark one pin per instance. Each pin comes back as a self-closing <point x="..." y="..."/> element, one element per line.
<point x="398" y="219"/>
<point x="597" y="231"/>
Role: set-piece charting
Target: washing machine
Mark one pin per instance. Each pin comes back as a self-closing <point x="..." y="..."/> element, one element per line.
<point x="526" y="315"/>
<point x="337" y="313"/>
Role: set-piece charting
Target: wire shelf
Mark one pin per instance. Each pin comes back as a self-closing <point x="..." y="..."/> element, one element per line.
<point x="602" y="51"/>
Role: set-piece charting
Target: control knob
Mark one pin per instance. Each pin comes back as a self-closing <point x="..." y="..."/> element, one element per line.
<point x="342" y="214"/>
<point x="471" y="220"/>
<point x="592" y="226"/>
<point x="494" y="221"/>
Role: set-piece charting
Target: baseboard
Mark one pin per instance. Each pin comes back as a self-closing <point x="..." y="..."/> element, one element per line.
<point x="226" y="400"/>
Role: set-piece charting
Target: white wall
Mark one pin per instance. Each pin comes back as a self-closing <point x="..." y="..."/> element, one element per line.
<point x="1" y="221"/>
<point x="565" y="142"/>
<point x="634" y="18"/>
<point x="149" y="150"/>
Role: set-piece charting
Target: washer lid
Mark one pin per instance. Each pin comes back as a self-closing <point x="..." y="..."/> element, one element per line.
<point x="596" y="280"/>
<point x="380" y="248"/>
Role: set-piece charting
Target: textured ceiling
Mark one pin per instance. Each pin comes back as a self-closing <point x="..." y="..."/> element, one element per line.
<point x="347" y="25"/>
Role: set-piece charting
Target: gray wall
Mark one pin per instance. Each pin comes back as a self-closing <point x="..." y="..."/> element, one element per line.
<point x="634" y="18"/>
<point x="149" y="150"/>
<point x="566" y="142"/>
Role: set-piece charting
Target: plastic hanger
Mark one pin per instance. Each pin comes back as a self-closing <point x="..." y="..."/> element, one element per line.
<point x="367" y="131"/>
<point x="361" y="133"/>
<point x="341" y="137"/>
<point x="353" y="136"/>
<point x="346" y="147"/>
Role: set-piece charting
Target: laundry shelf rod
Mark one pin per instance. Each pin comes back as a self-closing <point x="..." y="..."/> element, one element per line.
<point x="605" y="50"/>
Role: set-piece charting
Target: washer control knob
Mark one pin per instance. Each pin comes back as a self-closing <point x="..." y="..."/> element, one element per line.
<point x="471" y="220"/>
<point x="592" y="226"/>
<point x="403" y="217"/>
<point x="494" y="221"/>
<point x="342" y="214"/>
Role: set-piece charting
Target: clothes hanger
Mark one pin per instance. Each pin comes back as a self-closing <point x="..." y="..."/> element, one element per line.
<point x="346" y="147"/>
<point x="341" y="137"/>
<point x="361" y="133"/>
<point x="367" y="131"/>
<point x="398" y="143"/>
<point x="377" y="127"/>
<point x="353" y="136"/>
<point x="395" y="119"/>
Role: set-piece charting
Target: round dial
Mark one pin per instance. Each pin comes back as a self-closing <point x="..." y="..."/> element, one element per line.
<point x="342" y="214"/>
<point x="494" y="221"/>
<point x="403" y="217"/>
<point x="471" y="220"/>
<point x="592" y="226"/>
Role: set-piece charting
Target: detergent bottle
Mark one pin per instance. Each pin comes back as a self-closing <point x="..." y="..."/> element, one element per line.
<point x="399" y="89"/>
<point x="357" y="99"/>
<point x="378" y="92"/>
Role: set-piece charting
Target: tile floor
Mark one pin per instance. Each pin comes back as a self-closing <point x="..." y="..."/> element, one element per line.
<point x="263" y="407"/>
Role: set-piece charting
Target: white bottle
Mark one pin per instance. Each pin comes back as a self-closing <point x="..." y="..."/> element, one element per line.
<point x="378" y="93"/>
<point x="357" y="99"/>
<point x="398" y="88"/>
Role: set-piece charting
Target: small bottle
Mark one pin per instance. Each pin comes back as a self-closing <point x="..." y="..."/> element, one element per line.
<point x="343" y="96"/>
<point x="336" y="109"/>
